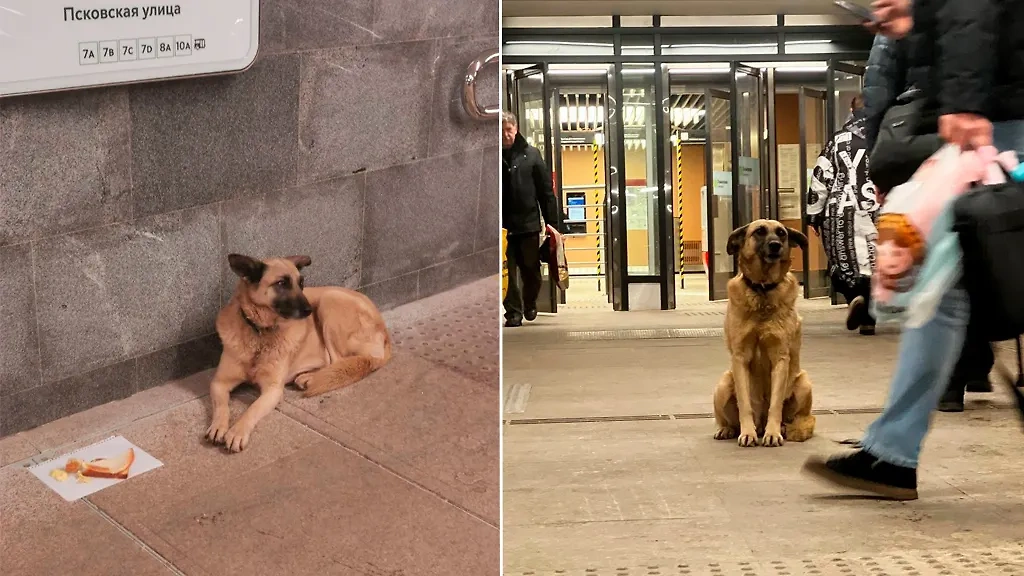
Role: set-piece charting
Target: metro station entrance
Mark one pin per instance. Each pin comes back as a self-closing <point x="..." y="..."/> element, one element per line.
<point x="655" y="160"/>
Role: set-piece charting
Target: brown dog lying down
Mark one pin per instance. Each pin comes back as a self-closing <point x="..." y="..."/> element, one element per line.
<point x="277" y="332"/>
<point x="765" y="397"/>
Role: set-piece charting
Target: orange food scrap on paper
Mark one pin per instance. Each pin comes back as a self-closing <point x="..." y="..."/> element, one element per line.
<point x="116" y="468"/>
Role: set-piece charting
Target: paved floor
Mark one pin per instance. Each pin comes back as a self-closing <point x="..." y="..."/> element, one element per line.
<point x="397" y="475"/>
<point x="610" y="468"/>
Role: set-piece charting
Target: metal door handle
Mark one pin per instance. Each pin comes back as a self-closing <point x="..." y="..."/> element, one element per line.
<point x="469" y="102"/>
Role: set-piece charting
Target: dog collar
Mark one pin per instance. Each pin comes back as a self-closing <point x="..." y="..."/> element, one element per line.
<point x="255" y="327"/>
<point x="762" y="288"/>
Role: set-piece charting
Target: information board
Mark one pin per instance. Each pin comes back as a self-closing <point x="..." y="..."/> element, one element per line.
<point x="47" y="45"/>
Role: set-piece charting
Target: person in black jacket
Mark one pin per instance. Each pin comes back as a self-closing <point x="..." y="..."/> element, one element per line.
<point x="885" y="78"/>
<point x="842" y="209"/>
<point x="967" y="60"/>
<point x="884" y="81"/>
<point x="526" y="193"/>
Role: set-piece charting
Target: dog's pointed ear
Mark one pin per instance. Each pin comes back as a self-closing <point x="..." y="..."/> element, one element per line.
<point x="248" y="268"/>
<point x="797" y="238"/>
<point x="299" y="261"/>
<point x="736" y="240"/>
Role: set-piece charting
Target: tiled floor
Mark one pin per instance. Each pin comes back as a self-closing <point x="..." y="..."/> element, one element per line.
<point x="611" y="470"/>
<point x="396" y="475"/>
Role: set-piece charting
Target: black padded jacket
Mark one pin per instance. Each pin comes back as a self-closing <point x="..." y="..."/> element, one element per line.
<point x="968" y="56"/>
<point x="527" y="190"/>
<point x="885" y="78"/>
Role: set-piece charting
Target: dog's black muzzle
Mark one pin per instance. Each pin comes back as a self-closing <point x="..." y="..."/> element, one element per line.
<point x="771" y="249"/>
<point x="293" y="308"/>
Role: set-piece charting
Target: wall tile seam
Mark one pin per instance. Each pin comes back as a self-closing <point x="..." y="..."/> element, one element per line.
<point x="480" y="194"/>
<point x="436" y="51"/>
<point x="375" y="19"/>
<point x="379" y="282"/>
<point x="368" y="172"/>
<point x="131" y="156"/>
<point x="419" y="270"/>
<point x="474" y="254"/>
<point x="35" y="313"/>
<point x="131" y="221"/>
<point x="362" y="223"/>
<point x="465" y="38"/>
<point x="240" y="195"/>
<point x="389" y="43"/>
<point x="318" y="49"/>
<point x="133" y="359"/>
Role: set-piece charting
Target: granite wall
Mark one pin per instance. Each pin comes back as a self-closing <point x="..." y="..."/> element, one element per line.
<point x="345" y="141"/>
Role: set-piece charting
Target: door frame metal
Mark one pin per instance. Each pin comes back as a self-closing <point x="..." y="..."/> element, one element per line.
<point x="557" y="88"/>
<point x="805" y="93"/>
<point x="666" y="227"/>
<point x="737" y="68"/>
<point x="710" y="94"/>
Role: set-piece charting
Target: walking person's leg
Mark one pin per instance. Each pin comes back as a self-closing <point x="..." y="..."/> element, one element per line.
<point x="513" y="302"/>
<point x="867" y="323"/>
<point x="887" y="462"/>
<point x="855" y="304"/>
<point x="529" y="268"/>
<point x="970" y="373"/>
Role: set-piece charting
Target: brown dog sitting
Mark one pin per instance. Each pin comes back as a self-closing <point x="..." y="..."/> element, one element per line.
<point x="276" y="332"/>
<point x="765" y="397"/>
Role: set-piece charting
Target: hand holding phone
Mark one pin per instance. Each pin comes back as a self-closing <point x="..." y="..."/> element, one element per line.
<point x="861" y="12"/>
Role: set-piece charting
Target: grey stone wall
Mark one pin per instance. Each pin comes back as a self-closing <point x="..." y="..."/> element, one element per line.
<point x="345" y="141"/>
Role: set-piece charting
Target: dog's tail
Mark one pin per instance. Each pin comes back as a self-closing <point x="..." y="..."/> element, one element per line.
<point x="341" y="373"/>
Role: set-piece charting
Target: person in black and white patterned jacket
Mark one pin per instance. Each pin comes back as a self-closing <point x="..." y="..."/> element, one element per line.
<point x="842" y="208"/>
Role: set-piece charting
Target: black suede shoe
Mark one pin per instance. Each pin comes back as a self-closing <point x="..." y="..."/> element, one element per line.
<point x="856" y="313"/>
<point x="952" y="399"/>
<point x="513" y="323"/>
<point x="867" y="330"/>
<point x="979" y="385"/>
<point x="862" y="471"/>
<point x="530" y="314"/>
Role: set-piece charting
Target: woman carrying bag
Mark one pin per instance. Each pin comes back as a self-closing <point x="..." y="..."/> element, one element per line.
<point x="964" y="59"/>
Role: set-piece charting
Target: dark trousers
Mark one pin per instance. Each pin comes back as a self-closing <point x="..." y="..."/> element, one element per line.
<point x="523" y="256"/>
<point x="976" y="360"/>
<point x="862" y="287"/>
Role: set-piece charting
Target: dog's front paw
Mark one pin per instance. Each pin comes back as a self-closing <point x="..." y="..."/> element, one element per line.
<point x="772" y="438"/>
<point x="302" y="380"/>
<point x="237" y="438"/>
<point x="217" y="430"/>
<point x="747" y="439"/>
<point x="726" y="433"/>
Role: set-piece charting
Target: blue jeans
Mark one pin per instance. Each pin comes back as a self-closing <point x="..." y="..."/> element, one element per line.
<point x="926" y="359"/>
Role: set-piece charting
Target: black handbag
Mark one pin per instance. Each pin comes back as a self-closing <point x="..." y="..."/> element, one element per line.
<point x="908" y="135"/>
<point x="989" y="221"/>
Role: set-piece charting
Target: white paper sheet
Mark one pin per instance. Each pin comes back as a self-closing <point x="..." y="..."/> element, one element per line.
<point x="112" y="447"/>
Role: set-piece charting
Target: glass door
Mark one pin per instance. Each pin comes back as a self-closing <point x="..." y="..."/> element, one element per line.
<point x="845" y="82"/>
<point x="530" y="100"/>
<point x="747" y="123"/>
<point x="649" y="246"/>
<point x="580" y="112"/>
<point x="718" y="157"/>
<point x="813" y="136"/>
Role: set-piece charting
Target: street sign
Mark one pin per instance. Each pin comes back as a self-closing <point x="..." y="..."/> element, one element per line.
<point x="47" y="46"/>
